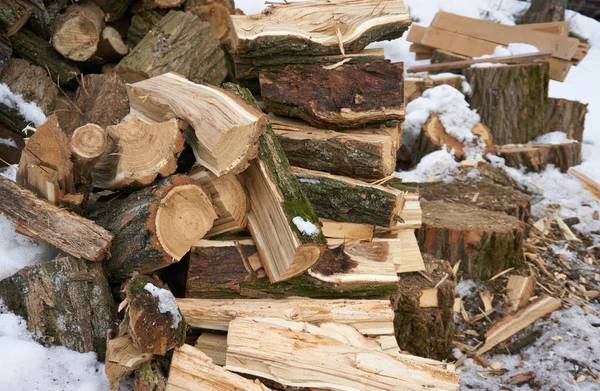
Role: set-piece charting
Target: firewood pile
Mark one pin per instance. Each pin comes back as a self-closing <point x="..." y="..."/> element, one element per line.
<point x="157" y="176"/>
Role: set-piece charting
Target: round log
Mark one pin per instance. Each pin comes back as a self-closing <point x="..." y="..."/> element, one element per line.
<point x="77" y="31"/>
<point x="13" y="15"/>
<point x="111" y="47"/>
<point x="88" y="143"/>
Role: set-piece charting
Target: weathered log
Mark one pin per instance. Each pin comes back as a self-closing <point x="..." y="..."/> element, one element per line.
<point x="39" y="52"/>
<point x="433" y="137"/>
<point x="113" y="9"/>
<point x="5" y="51"/>
<point x="88" y="144"/>
<point x="142" y="152"/>
<point x="297" y="29"/>
<point x="345" y="199"/>
<point x="542" y="11"/>
<point x="369" y="153"/>
<point x="43" y="15"/>
<point x="76" y="32"/>
<point x="181" y="43"/>
<point x="424" y="316"/>
<point x="123" y="359"/>
<point x="282" y="220"/>
<point x="348" y="96"/>
<point x="111" y="47"/>
<point x="141" y="24"/>
<point x="537" y="157"/>
<point x="567" y="116"/>
<point x="225" y="128"/>
<point x="485" y="242"/>
<point x="512" y="100"/>
<point x="233" y="269"/>
<point x="170" y="216"/>
<point x="67" y="300"/>
<point x="13" y="15"/>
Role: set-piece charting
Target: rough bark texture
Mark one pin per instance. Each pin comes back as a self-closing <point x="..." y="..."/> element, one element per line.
<point x="183" y="44"/>
<point x="38" y="51"/>
<point x="150" y="377"/>
<point x="13" y="15"/>
<point x="486" y="242"/>
<point x="536" y="157"/>
<point x="5" y="51"/>
<point x="43" y="15"/>
<point x="426" y="331"/>
<point x="67" y="300"/>
<point x="141" y="24"/>
<point x="542" y="11"/>
<point x="349" y="96"/>
<point x="567" y="116"/>
<point x="113" y="9"/>
<point x="512" y="100"/>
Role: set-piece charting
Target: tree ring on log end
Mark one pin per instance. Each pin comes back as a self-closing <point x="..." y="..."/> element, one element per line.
<point x="89" y="141"/>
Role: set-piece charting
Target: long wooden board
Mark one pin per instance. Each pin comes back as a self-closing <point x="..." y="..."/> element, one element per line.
<point x="462" y="44"/>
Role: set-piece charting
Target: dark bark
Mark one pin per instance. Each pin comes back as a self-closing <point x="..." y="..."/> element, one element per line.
<point x="141" y="24"/>
<point x="542" y="11"/>
<point x="5" y="51"/>
<point x="440" y="56"/>
<point x="44" y="14"/>
<point x="13" y="15"/>
<point x="567" y="116"/>
<point x="113" y="9"/>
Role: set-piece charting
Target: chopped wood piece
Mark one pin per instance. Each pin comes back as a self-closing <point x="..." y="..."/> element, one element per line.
<point x="170" y="216"/>
<point x="411" y="215"/>
<point x="214" y="346"/>
<point x="77" y="31"/>
<point x="369" y="153"/>
<point x="225" y="128"/>
<point x="588" y="183"/>
<point x="567" y="116"/>
<point x="511" y="100"/>
<point x="344" y="199"/>
<point x="113" y="9"/>
<point x="512" y="324"/>
<point x="519" y="290"/>
<point x="340" y="230"/>
<point x="192" y="370"/>
<point x="88" y="143"/>
<point x="13" y="15"/>
<point x="122" y="359"/>
<point x="405" y="251"/>
<point x="369" y="317"/>
<point x="521" y="378"/>
<point x="335" y="355"/>
<point x="141" y="24"/>
<point x="111" y="47"/>
<point x="319" y="27"/>
<point x="229" y="199"/>
<point x="143" y="151"/>
<point x="486" y="242"/>
<point x="217" y="15"/>
<point x="330" y="98"/>
<point x="180" y="43"/>
<point x="537" y="157"/>
<point x="154" y="321"/>
<point x="67" y="301"/>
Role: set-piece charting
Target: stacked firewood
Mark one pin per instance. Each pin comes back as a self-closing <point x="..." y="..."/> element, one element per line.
<point x="154" y="180"/>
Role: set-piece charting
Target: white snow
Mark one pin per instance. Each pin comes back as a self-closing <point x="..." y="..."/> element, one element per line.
<point x="166" y="302"/>
<point x="305" y="227"/>
<point x="9" y="142"/>
<point x="439" y="165"/>
<point x="28" y="110"/>
<point x="467" y="288"/>
<point x="553" y="138"/>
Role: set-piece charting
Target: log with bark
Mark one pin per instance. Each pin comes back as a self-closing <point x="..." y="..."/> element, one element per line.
<point x="219" y="19"/>
<point x="67" y="300"/>
<point x="336" y="356"/>
<point x="281" y="220"/>
<point x="512" y="100"/>
<point x="542" y="11"/>
<point x="77" y="32"/>
<point x="13" y="15"/>
<point x="345" y="199"/>
<point x="5" y="50"/>
<point x="537" y="157"/>
<point x="320" y="27"/>
<point x="170" y="216"/>
<point x="567" y="116"/>
<point x="180" y="43"/>
<point x="485" y="242"/>
<point x="141" y="153"/>
<point x="111" y="47"/>
<point x="224" y="129"/>
<point x="113" y="9"/>
<point x="348" y="96"/>
<point x="369" y="153"/>
<point x="141" y="24"/>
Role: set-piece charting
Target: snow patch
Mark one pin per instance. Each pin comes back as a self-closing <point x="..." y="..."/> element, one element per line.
<point x="305" y="227"/>
<point x="440" y="165"/>
<point x="552" y="138"/>
<point x="9" y="142"/>
<point x="28" y="110"/>
<point x="166" y="302"/>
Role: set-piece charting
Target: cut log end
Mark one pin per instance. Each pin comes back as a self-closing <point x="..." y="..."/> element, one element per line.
<point x="77" y="32"/>
<point x="89" y="141"/>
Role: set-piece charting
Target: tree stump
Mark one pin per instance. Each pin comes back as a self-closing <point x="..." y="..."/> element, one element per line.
<point x="512" y="100"/>
<point x="485" y="242"/>
<point x="537" y="157"/>
<point x="567" y="116"/>
<point x="542" y="11"/>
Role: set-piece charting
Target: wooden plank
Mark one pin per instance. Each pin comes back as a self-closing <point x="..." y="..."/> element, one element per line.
<point x="417" y="48"/>
<point x="559" y="69"/>
<point x="416" y="34"/>
<point x="457" y="43"/>
<point x="423" y="56"/>
<point x="562" y="47"/>
<point x="558" y="28"/>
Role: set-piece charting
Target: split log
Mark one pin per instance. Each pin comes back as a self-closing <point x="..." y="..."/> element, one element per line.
<point x="405" y="252"/>
<point x="153" y="320"/>
<point x="412" y="214"/>
<point x="76" y="32"/>
<point x="281" y="220"/>
<point x="13" y="15"/>
<point x="170" y="216"/>
<point x="369" y="317"/>
<point x="5" y="51"/>
<point x="180" y="43"/>
<point x="433" y="137"/>
<point x="537" y="157"/>
<point x="329" y="98"/>
<point x="368" y="153"/>
<point x="424" y="316"/>
<point x="519" y="290"/>
<point x="111" y="47"/>
<point x="122" y="359"/>
<point x="567" y="116"/>
<point x="88" y="144"/>
<point x="39" y="52"/>
<point x="512" y="100"/>
<point x="214" y="346"/>
<point x="350" y="231"/>
<point x="414" y="86"/>
<point x="356" y="270"/>
<point x="229" y="199"/>
<point x="295" y="28"/>
<point x="66" y="300"/>
<point x="542" y="11"/>
<point x="486" y="242"/>
<point x="336" y="356"/>
<point x="141" y="24"/>
<point x="345" y="199"/>
<point x="225" y="128"/>
<point x="45" y="166"/>
<point x="193" y="370"/>
<point x="142" y="152"/>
